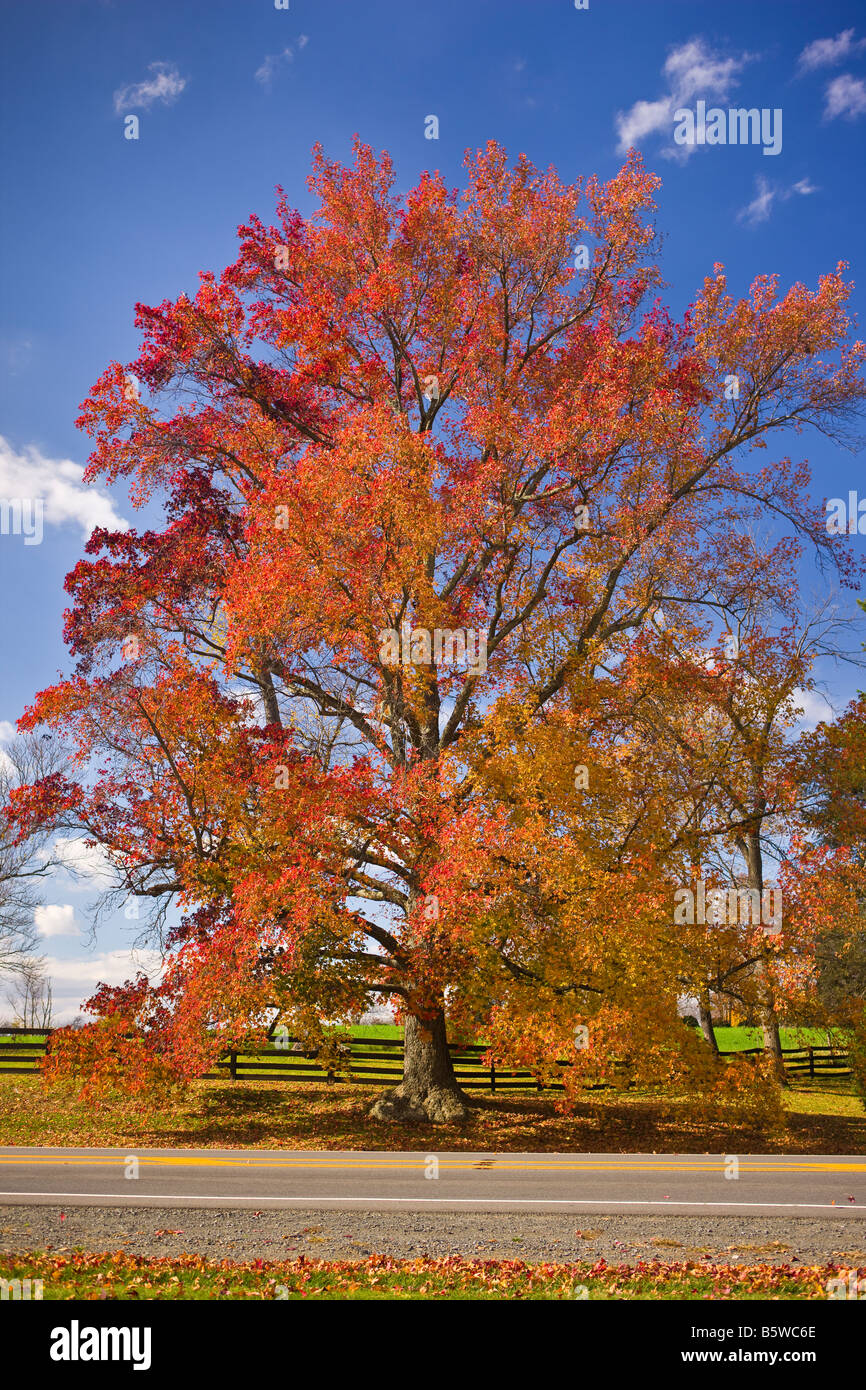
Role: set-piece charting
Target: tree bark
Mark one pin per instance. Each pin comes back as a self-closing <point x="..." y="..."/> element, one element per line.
<point x="766" y="998"/>
<point x="706" y="1022"/>
<point x="429" y="1089"/>
<point x="770" y="1023"/>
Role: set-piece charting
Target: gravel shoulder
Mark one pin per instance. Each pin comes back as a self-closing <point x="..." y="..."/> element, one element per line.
<point x="344" y="1235"/>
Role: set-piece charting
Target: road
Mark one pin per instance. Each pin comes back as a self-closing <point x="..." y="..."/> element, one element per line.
<point x="633" y="1184"/>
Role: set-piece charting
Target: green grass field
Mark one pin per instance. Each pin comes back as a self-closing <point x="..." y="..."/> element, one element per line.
<point x="729" y="1039"/>
<point x="737" y="1039"/>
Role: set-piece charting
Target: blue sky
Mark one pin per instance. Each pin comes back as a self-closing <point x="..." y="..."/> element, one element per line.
<point x="232" y="94"/>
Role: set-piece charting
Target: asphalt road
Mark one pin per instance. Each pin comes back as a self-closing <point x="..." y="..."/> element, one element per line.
<point x="634" y="1184"/>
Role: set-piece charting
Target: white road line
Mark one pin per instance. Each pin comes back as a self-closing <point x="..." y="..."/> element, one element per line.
<point x="454" y="1201"/>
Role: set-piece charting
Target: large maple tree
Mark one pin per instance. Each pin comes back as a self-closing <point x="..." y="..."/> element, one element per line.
<point x="394" y="421"/>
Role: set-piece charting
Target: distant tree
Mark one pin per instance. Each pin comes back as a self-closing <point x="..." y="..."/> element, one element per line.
<point x="24" y="861"/>
<point x="31" y="997"/>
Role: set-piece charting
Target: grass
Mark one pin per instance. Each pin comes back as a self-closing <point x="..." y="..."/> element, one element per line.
<point x="822" y="1117"/>
<point x="737" y="1039"/>
<point x="78" y="1275"/>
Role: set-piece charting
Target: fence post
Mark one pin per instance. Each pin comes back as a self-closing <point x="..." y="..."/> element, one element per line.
<point x="492" y="1078"/>
<point x="233" y="1065"/>
<point x="811" y="1061"/>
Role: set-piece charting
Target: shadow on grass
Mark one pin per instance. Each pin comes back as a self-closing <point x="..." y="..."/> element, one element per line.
<point x="329" y="1117"/>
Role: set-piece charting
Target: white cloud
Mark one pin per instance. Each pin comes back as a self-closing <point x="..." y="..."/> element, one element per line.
<point x="812" y="707"/>
<point x="759" y="209"/>
<point x="55" y="919"/>
<point x="266" y="73"/>
<point x="827" y="52"/>
<point x="83" y="861"/>
<point x="73" y="981"/>
<point x="691" y="70"/>
<point x="303" y="40"/>
<point x="57" y="484"/>
<point x="643" y="119"/>
<point x="845" y="96"/>
<point x="165" y="85"/>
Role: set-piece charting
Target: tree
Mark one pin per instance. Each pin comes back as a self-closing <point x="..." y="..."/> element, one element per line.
<point x="31" y="998"/>
<point x="834" y="771"/>
<point x="23" y="860"/>
<point x="731" y="713"/>
<point x="424" y="483"/>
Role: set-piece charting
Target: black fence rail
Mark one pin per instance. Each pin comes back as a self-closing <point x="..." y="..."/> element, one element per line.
<point x="379" y="1062"/>
<point x="374" y="1062"/>
<point x="813" y="1060"/>
<point x="19" y="1056"/>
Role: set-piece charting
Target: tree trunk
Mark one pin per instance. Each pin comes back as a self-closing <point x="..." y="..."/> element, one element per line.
<point x="429" y="1089"/>
<point x="706" y="1022"/>
<point x="766" y="998"/>
<point x="770" y="1024"/>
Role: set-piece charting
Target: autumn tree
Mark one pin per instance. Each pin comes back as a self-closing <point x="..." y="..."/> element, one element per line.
<point x="833" y="772"/>
<point x="733" y="714"/>
<point x="429" y="466"/>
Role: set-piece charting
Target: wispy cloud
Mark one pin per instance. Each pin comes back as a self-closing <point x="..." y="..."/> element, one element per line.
<point x="274" y="61"/>
<point x="758" y="210"/>
<point x="845" y="96"/>
<point x="766" y="194"/>
<point x="57" y="483"/>
<point x="16" y="354"/>
<point x="690" y="71"/>
<point x="165" y="84"/>
<point x="826" y="53"/>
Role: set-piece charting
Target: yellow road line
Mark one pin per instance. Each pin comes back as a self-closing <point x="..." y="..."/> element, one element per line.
<point x="479" y="1165"/>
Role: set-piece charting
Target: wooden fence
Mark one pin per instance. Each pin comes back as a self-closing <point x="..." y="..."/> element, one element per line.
<point x="379" y="1062"/>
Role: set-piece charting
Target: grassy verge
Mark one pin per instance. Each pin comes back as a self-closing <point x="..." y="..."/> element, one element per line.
<point x="823" y="1117"/>
<point x="78" y="1275"/>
